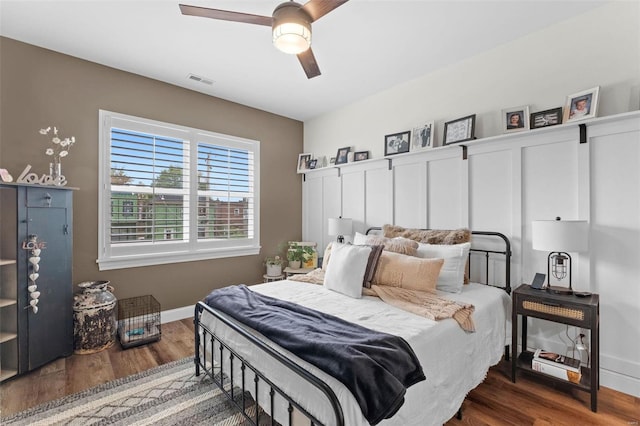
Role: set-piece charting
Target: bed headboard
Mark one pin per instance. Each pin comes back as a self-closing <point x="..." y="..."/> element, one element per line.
<point x="485" y="248"/>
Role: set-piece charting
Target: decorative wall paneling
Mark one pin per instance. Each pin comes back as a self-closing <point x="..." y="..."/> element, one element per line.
<point x="504" y="183"/>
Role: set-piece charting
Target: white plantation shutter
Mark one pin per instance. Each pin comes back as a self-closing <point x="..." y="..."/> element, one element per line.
<point x="225" y="192"/>
<point x="171" y="193"/>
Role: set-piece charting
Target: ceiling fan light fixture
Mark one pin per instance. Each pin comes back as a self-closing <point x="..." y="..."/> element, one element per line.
<point x="291" y="28"/>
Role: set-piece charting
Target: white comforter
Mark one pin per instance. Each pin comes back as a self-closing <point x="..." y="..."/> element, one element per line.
<point x="454" y="361"/>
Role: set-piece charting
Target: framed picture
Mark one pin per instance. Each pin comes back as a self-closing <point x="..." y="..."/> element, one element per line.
<point x="397" y="143"/>
<point x="581" y="105"/>
<point x="459" y="130"/>
<point x="342" y="157"/>
<point x="549" y="117"/>
<point x="361" y="155"/>
<point x="332" y="160"/>
<point x="515" y="119"/>
<point x="422" y="137"/>
<point x="303" y="162"/>
<point x="312" y="164"/>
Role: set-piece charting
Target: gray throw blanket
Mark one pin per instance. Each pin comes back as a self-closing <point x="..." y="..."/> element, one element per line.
<point x="376" y="367"/>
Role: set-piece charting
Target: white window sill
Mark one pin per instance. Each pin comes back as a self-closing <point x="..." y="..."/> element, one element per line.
<point x="122" y="262"/>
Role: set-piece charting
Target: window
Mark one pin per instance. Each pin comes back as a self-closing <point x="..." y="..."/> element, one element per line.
<point x="170" y="193"/>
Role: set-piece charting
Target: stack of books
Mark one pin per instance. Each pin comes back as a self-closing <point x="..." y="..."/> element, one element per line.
<point x="556" y="365"/>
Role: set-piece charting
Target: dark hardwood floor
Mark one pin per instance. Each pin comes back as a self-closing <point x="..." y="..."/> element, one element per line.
<point x="497" y="401"/>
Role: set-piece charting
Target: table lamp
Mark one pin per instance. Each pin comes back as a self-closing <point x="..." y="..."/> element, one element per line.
<point x="560" y="237"/>
<point x="339" y="226"/>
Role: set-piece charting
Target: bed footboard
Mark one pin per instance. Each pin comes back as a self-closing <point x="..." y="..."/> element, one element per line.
<point x="212" y="353"/>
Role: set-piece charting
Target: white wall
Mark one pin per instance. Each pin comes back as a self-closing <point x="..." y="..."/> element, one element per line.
<point x="598" y="48"/>
<point x="504" y="184"/>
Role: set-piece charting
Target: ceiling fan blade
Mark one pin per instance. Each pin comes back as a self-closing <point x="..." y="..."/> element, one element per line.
<point x="308" y="62"/>
<point x="226" y="15"/>
<point x="318" y="8"/>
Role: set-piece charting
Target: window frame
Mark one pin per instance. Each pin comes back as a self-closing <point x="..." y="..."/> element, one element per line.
<point x="170" y="251"/>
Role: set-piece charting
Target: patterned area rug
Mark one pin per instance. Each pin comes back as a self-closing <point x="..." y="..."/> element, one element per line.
<point x="167" y="395"/>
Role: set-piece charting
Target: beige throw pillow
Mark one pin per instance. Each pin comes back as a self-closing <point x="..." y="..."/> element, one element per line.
<point x="397" y="270"/>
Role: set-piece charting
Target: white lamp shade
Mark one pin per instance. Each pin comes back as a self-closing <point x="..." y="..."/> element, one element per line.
<point x="560" y="235"/>
<point x="340" y="226"/>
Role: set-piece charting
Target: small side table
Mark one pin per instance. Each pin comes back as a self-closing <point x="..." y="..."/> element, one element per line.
<point x="290" y="271"/>
<point x="581" y="312"/>
<point x="270" y="279"/>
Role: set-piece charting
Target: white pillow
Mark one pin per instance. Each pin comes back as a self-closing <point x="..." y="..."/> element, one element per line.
<point x="346" y="270"/>
<point x="359" y="239"/>
<point x="451" y="277"/>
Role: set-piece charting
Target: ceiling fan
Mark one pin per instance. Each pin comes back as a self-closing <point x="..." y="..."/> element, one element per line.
<point x="290" y="23"/>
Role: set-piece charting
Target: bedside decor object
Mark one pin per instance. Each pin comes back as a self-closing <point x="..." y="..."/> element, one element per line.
<point x="581" y="105"/>
<point x="397" y="143"/>
<point x="303" y="162"/>
<point x="342" y="156"/>
<point x="560" y="237"/>
<point x="515" y="119"/>
<point x="361" y="156"/>
<point x="274" y="266"/>
<point x="312" y="164"/>
<point x="339" y="227"/>
<point x="59" y="149"/>
<point x="422" y="137"/>
<point x="299" y="253"/>
<point x="459" y="130"/>
<point x="549" y="117"/>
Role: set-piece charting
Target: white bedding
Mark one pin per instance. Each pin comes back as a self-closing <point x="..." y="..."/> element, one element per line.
<point x="454" y="361"/>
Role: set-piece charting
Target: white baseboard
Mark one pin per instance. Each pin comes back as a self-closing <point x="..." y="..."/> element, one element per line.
<point x="177" y="314"/>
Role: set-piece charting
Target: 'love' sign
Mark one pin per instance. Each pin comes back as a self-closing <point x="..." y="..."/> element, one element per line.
<point x="32" y="178"/>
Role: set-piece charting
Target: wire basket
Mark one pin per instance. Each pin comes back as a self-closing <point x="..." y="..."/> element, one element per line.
<point x="138" y="321"/>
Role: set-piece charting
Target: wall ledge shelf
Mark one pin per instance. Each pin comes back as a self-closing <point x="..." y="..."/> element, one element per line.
<point x="489" y="139"/>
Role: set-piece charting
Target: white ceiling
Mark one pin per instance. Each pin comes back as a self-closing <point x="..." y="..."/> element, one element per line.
<point x="362" y="47"/>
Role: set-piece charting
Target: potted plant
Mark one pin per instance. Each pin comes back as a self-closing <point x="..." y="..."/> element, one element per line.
<point x="297" y="254"/>
<point x="274" y="266"/>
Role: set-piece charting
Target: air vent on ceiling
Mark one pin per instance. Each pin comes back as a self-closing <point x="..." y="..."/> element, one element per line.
<point x="200" y="79"/>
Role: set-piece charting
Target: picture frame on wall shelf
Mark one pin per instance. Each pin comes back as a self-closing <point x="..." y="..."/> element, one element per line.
<point x="546" y="118"/>
<point x="332" y="160"/>
<point x="581" y="105"/>
<point x="422" y="137"/>
<point x="312" y="164"/>
<point x="397" y="143"/>
<point x="459" y="130"/>
<point x="342" y="156"/>
<point x="515" y="119"/>
<point x="361" y="156"/>
<point x="303" y="162"/>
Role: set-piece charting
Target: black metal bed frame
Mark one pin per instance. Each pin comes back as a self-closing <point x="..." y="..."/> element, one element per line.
<point x="214" y="365"/>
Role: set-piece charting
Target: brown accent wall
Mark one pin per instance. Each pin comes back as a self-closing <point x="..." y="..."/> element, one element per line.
<point x="40" y="88"/>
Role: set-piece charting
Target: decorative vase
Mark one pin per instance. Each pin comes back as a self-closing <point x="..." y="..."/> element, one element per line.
<point x="295" y="264"/>
<point x="274" y="270"/>
<point x="55" y="171"/>
<point x="94" y="317"/>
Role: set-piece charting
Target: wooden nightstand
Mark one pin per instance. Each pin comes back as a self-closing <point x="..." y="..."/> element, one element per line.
<point x="572" y="310"/>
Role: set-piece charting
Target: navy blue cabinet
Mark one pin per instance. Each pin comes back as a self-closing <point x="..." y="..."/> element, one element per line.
<point x="37" y="235"/>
